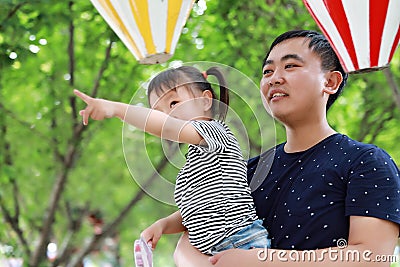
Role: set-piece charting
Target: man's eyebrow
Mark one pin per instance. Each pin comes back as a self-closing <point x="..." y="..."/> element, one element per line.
<point x="284" y="58"/>
<point x="292" y="56"/>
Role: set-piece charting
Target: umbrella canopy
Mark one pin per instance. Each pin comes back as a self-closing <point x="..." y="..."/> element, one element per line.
<point x="150" y="29"/>
<point x="364" y="33"/>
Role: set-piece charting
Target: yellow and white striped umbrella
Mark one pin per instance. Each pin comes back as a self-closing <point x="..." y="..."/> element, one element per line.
<point x="150" y="29"/>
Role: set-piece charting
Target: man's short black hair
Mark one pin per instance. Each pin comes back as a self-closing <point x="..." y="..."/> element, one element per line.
<point x="321" y="46"/>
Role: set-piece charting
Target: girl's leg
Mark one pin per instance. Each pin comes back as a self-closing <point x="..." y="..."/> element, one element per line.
<point x="188" y="256"/>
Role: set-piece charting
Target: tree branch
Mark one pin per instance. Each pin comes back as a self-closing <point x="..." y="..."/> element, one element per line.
<point x="71" y="66"/>
<point x="366" y="126"/>
<point x="11" y="13"/>
<point x="72" y="152"/>
<point x="16" y="201"/>
<point x="109" y="229"/>
<point x="71" y="50"/>
<point x="78" y="127"/>
<point x="27" y="125"/>
<point x="48" y="218"/>
<point x="102" y="69"/>
<point x="67" y="161"/>
<point x="53" y="125"/>
<point x="392" y="84"/>
<point x="75" y="217"/>
<point x="14" y="223"/>
<point x="382" y="121"/>
<point x="7" y="162"/>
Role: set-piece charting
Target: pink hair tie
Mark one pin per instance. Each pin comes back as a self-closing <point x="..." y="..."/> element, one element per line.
<point x="205" y="74"/>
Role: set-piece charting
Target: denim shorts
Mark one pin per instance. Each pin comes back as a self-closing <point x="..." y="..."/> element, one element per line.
<point x="252" y="236"/>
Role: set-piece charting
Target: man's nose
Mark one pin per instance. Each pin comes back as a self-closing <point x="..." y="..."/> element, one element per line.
<point x="276" y="78"/>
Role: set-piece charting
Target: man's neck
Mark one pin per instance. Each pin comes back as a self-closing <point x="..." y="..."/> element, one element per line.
<point x="301" y="138"/>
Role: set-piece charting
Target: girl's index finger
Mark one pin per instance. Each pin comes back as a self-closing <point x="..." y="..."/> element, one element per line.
<point x="82" y="96"/>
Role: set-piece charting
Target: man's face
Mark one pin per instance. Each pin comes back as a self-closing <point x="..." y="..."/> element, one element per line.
<point x="293" y="81"/>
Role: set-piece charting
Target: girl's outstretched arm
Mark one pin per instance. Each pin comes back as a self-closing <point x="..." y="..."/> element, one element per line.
<point x="149" y="120"/>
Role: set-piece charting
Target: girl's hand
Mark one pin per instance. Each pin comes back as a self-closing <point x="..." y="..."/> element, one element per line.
<point x="153" y="233"/>
<point x="97" y="109"/>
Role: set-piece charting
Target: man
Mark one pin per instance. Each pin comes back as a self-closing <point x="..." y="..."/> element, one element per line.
<point x="326" y="193"/>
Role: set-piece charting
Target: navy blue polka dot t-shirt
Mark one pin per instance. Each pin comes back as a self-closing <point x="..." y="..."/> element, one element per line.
<point x="307" y="197"/>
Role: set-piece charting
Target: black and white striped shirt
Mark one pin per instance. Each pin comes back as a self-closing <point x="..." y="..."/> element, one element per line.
<point x="211" y="190"/>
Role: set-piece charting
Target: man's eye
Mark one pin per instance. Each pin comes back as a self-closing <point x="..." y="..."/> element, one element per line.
<point x="288" y="66"/>
<point x="173" y="103"/>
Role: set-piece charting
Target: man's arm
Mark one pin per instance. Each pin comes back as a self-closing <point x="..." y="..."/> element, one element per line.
<point x="366" y="234"/>
<point x="369" y="239"/>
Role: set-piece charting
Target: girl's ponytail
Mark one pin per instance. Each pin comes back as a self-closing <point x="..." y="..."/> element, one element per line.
<point x="223" y="91"/>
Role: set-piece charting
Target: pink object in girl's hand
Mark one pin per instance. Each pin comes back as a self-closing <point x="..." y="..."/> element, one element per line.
<point x="143" y="253"/>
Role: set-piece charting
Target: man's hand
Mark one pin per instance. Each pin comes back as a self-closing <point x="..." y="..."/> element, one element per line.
<point x="214" y="259"/>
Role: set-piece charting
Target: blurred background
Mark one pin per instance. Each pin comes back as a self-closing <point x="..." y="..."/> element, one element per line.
<point x="67" y="197"/>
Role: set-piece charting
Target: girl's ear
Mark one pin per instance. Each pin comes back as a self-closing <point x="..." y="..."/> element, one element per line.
<point x="333" y="80"/>
<point x="207" y="99"/>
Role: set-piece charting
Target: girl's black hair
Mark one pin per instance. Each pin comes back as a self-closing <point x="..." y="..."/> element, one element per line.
<point x="191" y="76"/>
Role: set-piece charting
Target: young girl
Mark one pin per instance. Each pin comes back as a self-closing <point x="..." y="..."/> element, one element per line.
<point x="215" y="205"/>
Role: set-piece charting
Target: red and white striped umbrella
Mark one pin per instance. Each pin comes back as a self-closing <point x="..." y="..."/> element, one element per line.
<point x="150" y="29"/>
<point x="364" y="33"/>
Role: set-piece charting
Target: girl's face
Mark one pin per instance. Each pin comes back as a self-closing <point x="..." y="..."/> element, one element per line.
<point x="183" y="103"/>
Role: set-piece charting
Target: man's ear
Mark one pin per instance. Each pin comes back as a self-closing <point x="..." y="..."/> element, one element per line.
<point x="332" y="82"/>
<point x="207" y="99"/>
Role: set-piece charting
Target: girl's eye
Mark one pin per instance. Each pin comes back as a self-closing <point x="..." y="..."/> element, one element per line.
<point x="173" y="103"/>
<point x="266" y="71"/>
